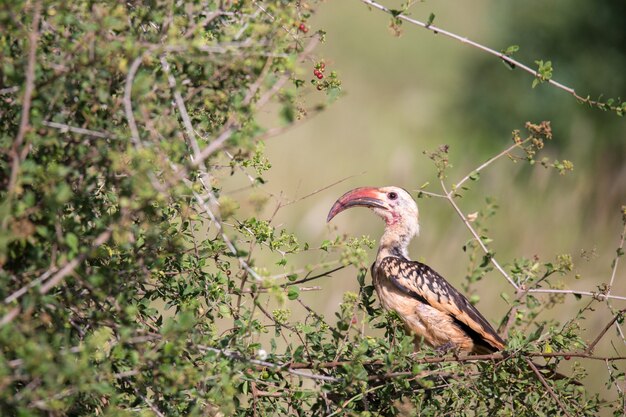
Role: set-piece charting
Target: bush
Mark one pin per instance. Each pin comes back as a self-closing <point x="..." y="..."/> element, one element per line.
<point x="133" y="283"/>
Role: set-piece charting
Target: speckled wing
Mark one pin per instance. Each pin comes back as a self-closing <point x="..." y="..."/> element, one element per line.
<point x="426" y="285"/>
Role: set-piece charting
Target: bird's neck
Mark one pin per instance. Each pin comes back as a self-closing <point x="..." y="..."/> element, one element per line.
<point x="394" y="242"/>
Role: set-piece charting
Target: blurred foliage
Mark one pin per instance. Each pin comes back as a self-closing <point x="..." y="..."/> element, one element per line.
<point x="125" y="291"/>
<point x="572" y="42"/>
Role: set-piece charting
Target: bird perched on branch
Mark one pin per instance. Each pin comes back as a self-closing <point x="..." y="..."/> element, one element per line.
<point x="429" y="306"/>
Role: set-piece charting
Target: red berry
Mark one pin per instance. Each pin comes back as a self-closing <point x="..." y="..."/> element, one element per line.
<point x="320" y="87"/>
<point x="322" y="66"/>
<point x="303" y="28"/>
<point x="316" y="72"/>
<point x="319" y="75"/>
<point x="567" y="357"/>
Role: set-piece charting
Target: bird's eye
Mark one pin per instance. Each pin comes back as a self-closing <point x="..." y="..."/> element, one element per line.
<point x="392" y="195"/>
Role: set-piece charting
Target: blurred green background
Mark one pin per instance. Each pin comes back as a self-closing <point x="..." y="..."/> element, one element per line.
<point x="407" y="95"/>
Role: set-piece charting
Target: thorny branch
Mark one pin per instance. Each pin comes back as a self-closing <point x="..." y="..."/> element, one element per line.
<point x="501" y="55"/>
<point x="492" y="259"/>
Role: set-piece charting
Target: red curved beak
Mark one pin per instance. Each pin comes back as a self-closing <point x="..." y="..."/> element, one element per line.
<point x="364" y="197"/>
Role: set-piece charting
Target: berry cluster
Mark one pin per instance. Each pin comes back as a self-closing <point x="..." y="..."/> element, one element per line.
<point x="319" y="70"/>
<point x="303" y="28"/>
<point x="324" y="81"/>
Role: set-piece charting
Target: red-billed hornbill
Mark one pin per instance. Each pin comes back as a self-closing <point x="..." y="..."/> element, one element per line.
<point x="430" y="307"/>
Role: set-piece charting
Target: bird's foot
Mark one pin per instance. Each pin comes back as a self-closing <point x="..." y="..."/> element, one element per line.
<point x="446" y="348"/>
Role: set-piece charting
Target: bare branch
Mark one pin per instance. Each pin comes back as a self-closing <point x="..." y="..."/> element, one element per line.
<point x="319" y="190"/>
<point x="77" y="130"/>
<point x="307" y="279"/>
<point x="487" y="163"/>
<point x="182" y="109"/>
<point x="17" y="294"/>
<point x="492" y="259"/>
<point x="149" y="403"/>
<point x="128" y="104"/>
<point x="603" y="332"/>
<point x="9" y="90"/>
<point x="262" y="290"/>
<point x="616" y="260"/>
<point x="597" y="295"/>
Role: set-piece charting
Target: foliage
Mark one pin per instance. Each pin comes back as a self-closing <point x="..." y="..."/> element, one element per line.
<point x="124" y="289"/>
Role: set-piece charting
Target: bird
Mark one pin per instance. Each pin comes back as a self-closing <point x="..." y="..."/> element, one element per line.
<point x="429" y="306"/>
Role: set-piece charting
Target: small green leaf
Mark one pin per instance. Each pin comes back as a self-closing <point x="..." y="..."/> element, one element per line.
<point x="293" y="293"/>
<point x="510" y="50"/>
<point x="430" y="20"/>
<point x="72" y="242"/>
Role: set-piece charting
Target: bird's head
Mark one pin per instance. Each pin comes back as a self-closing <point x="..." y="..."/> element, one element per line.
<point x="393" y="204"/>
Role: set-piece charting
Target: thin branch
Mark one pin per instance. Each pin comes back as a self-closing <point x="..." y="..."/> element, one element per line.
<point x="23" y="290"/>
<point x="506" y="58"/>
<point x="284" y="367"/>
<point x="213" y="146"/>
<point x="9" y="90"/>
<point x="487" y="163"/>
<point x="153" y="407"/>
<point x="603" y="332"/>
<point x="319" y="190"/>
<point x="182" y="109"/>
<point x="128" y="104"/>
<point x="262" y="290"/>
<point x="307" y="279"/>
<point x="428" y="193"/>
<point x="78" y="130"/>
<point x="616" y="260"/>
<point x="290" y="33"/>
<point x="203" y="203"/>
<point x="9" y="316"/>
<point x="19" y="151"/>
<point x="597" y="295"/>
<point x="492" y="259"/>
<point x="69" y="267"/>
<point x="547" y="386"/>
<point x="279" y="130"/>
<point x="208" y="19"/>
<point x="496" y="356"/>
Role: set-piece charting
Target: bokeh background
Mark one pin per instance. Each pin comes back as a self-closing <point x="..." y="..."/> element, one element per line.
<point x="410" y="94"/>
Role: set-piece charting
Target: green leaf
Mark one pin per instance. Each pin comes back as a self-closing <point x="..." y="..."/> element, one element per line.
<point x="293" y="292"/>
<point x="72" y="242"/>
<point x="430" y="20"/>
<point x="510" y="50"/>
